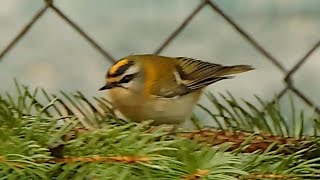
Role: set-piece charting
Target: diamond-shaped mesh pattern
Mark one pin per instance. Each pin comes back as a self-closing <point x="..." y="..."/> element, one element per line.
<point x="287" y="73"/>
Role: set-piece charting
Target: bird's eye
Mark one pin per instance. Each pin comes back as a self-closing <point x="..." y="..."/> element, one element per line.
<point x="127" y="78"/>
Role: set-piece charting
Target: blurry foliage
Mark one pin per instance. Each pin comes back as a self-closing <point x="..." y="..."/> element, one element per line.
<point x="68" y="136"/>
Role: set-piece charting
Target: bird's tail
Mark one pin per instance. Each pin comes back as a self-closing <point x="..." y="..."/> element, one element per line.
<point x="228" y="70"/>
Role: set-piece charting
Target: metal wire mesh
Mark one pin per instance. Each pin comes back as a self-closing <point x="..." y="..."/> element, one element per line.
<point x="287" y="73"/>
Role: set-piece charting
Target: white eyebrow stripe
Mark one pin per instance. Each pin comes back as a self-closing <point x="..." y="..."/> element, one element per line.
<point x="131" y="70"/>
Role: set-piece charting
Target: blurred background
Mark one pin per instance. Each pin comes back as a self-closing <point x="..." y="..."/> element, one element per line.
<point x="54" y="56"/>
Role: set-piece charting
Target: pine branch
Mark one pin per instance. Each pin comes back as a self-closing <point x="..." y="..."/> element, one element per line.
<point x="67" y="136"/>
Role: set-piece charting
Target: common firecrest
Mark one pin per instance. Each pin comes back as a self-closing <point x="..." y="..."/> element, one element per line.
<point x="163" y="89"/>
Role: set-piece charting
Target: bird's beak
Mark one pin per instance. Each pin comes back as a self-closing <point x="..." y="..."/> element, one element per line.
<point x="108" y="86"/>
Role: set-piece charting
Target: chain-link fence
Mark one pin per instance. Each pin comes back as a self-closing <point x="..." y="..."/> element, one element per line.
<point x="287" y="73"/>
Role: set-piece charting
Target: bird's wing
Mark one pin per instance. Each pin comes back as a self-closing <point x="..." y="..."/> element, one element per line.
<point x="192" y="75"/>
<point x="196" y="74"/>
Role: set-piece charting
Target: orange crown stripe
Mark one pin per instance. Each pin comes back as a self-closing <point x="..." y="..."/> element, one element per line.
<point x="120" y="63"/>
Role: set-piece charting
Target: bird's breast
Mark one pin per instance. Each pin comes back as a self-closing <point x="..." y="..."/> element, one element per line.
<point x="137" y="107"/>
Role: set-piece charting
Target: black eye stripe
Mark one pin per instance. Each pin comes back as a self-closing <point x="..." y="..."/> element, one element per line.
<point x="122" y="69"/>
<point x="127" y="78"/>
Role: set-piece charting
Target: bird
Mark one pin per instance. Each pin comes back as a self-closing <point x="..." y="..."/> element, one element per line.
<point x="162" y="89"/>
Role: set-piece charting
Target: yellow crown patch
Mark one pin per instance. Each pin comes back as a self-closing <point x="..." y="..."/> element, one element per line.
<point x="116" y="66"/>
